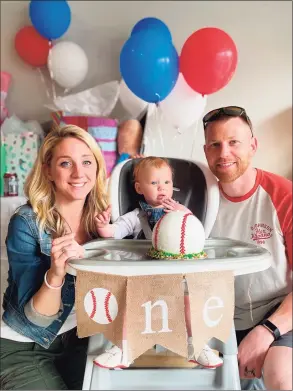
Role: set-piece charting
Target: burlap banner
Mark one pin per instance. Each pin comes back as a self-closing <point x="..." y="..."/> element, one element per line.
<point x="100" y="301"/>
<point x="155" y="314"/>
<point x="211" y="296"/>
<point x="136" y="313"/>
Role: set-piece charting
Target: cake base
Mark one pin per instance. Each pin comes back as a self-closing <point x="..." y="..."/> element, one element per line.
<point x="158" y="254"/>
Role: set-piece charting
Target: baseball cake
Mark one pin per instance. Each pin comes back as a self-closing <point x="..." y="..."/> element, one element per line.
<point x="178" y="235"/>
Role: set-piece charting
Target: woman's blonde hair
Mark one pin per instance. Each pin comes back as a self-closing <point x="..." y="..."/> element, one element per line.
<point x="40" y="190"/>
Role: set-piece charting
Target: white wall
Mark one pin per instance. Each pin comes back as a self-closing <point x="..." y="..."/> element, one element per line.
<point x="262" y="31"/>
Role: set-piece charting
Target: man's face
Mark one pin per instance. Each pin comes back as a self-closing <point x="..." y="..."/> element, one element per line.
<point x="229" y="148"/>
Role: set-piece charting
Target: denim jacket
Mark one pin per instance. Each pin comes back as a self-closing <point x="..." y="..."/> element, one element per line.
<point x="28" y="251"/>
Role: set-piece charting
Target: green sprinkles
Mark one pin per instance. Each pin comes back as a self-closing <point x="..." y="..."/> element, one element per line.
<point x="158" y="254"/>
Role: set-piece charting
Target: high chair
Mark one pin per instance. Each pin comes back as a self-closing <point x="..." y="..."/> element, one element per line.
<point x="194" y="187"/>
<point x="197" y="189"/>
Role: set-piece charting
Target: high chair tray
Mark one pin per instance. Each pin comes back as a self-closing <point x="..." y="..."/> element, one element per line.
<point x="128" y="258"/>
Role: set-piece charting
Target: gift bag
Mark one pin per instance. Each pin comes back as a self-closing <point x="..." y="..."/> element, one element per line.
<point x="103" y="130"/>
<point x="3" y="168"/>
<point x="21" y="153"/>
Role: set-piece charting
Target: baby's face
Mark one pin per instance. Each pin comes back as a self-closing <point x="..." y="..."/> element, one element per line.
<point x="155" y="184"/>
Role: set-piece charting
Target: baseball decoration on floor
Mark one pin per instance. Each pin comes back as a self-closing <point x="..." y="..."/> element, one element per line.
<point x="101" y="305"/>
<point x="178" y="235"/>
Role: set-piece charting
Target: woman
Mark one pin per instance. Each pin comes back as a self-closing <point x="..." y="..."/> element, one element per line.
<point x="65" y="191"/>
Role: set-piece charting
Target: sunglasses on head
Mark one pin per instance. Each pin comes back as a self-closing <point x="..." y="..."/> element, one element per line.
<point x="230" y="111"/>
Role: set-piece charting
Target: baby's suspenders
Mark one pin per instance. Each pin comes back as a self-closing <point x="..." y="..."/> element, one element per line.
<point x="146" y="232"/>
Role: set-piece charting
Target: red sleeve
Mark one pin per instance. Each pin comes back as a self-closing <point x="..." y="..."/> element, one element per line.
<point x="280" y="191"/>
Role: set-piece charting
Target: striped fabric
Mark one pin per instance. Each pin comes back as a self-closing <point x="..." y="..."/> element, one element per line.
<point x="103" y="130"/>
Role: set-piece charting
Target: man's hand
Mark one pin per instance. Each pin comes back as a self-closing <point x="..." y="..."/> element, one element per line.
<point x="171" y="205"/>
<point x="252" y="352"/>
<point x="137" y="156"/>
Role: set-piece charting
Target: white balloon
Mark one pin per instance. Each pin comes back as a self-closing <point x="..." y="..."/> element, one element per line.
<point x="67" y="64"/>
<point x="183" y="106"/>
<point x="131" y="103"/>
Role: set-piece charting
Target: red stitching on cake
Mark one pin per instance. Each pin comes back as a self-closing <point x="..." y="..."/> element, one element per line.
<point x="182" y="236"/>
<point x="107" y="299"/>
<point x="157" y="232"/>
<point x="94" y="304"/>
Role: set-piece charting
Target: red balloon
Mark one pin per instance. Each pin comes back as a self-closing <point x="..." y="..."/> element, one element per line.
<point x="208" y="60"/>
<point x="32" y="47"/>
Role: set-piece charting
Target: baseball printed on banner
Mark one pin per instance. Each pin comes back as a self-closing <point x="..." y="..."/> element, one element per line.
<point x="101" y="305"/>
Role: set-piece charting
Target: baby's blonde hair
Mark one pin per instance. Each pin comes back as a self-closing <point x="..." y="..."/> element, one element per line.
<point x="150" y="161"/>
<point x="40" y="190"/>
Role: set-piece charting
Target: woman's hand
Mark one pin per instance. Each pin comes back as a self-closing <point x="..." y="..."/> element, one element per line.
<point x="63" y="249"/>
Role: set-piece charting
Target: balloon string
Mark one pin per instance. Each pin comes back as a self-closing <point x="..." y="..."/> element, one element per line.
<point x="158" y="122"/>
<point x="152" y="131"/>
<point x="51" y="73"/>
<point x="44" y="83"/>
<point x="194" y="137"/>
<point x="53" y="90"/>
<point x="179" y="131"/>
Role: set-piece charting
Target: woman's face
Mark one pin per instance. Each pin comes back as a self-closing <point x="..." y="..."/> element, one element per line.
<point x="73" y="170"/>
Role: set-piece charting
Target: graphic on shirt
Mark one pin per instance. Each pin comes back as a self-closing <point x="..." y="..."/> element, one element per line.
<point x="261" y="232"/>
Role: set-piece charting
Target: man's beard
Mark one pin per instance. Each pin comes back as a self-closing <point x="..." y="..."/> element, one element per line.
<point x="239" y="169"/>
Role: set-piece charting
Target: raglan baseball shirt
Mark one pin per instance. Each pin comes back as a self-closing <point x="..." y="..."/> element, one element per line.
<point x="264" y="217"/>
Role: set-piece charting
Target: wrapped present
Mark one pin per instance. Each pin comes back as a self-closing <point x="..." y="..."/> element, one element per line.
<point x="21" y="153"/>
<point x="103" y="130"/>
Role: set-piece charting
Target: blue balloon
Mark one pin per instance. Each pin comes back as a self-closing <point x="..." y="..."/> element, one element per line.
<point x="152" y="24"/>
<point x="50" y="18"/>
<point x="149" y="66"/>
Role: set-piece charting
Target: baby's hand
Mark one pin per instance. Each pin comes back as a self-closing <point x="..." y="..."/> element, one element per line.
<point x="103" y="219"/>
<point x="171" y="205"/>
<point x="137" y="156"/>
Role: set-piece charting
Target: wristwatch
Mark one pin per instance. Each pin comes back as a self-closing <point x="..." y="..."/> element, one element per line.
<point x="272" y="328"/>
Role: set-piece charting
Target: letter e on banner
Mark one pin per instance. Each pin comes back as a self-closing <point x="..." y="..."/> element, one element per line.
<point x="211" y="297"/>
<point x="210" y="306"/>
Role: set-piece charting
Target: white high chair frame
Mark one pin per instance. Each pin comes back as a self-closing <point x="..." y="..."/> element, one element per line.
<point x="224" y="378"/>
<point x="213" y="195"/>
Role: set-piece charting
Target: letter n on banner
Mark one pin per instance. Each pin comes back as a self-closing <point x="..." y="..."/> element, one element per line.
<point x="100" y="301"/>
<point x="211" y="296"/>
<point x="155" y="314"/>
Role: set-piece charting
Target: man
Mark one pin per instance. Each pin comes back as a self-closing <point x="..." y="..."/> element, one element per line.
<point x="256" y="207"/>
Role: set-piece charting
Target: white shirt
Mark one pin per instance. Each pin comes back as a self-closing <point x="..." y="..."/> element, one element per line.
<point x="128" y="224"/>
<point x="262" y="217"/>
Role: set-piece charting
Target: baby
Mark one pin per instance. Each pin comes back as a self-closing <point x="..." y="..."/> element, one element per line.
<point x="153" y="179"/>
